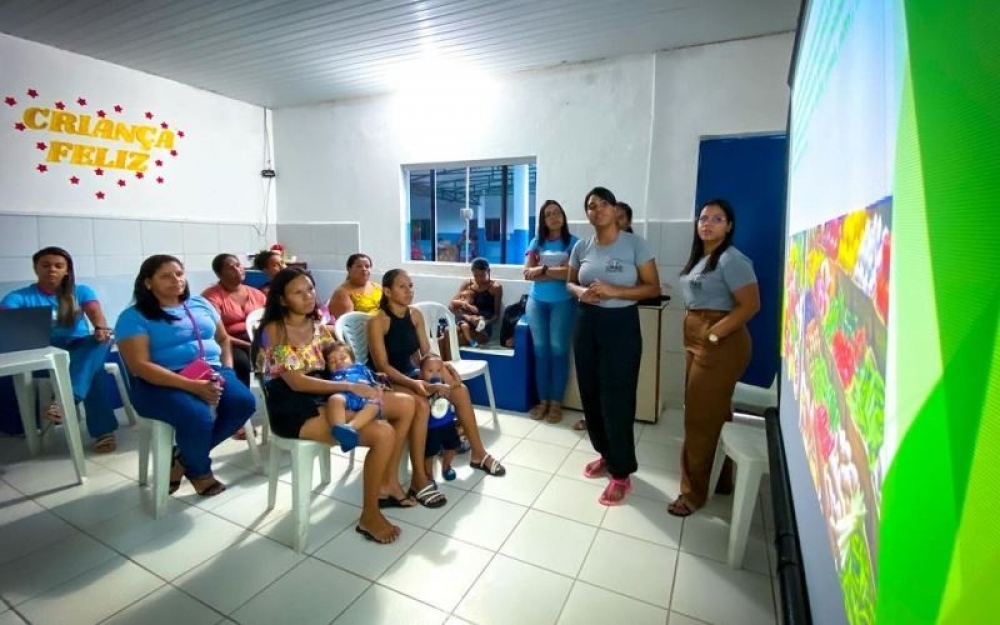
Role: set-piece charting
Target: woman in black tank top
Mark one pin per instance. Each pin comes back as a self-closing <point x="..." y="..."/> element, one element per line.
<point x="477" y="304"/>
<point x="393" y="333"/>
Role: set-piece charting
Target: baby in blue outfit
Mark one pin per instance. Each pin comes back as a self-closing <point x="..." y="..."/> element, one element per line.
<point x="351" y="412"/>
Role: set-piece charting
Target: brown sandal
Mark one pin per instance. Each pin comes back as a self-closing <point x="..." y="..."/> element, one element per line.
<point x="538" y="412"/>
<point x="580" y="425"/>
<point x="680" y="507"/>
<point x="105" y="444"/>
<point x="554" y="415"/>
<point x="212" y="486"/>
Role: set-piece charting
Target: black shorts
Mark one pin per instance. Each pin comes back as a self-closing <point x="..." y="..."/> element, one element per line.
<point x="288" y="410"/>
<point x="441" y="438"/>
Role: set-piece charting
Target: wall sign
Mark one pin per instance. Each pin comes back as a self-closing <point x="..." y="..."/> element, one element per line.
<point x="79" y="139"/>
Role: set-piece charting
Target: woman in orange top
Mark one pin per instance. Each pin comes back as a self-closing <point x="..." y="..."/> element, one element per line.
<point x="358" y="292"/>
<point x="234" y="301"/>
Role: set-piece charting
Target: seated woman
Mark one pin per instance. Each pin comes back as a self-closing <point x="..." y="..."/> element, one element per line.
<point x="478" y="302"/>
<point x="72" y="306"/>
<point x="234" y="301"/>
<point x="292" y="343"/>
<point x="270" y="262"/>
<point x="397" y="341"/>
<point x="358" y="293"/>
<point x="179" y="355"/>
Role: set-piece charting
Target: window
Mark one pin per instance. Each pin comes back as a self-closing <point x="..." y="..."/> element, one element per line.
<point x="498" y="225"/>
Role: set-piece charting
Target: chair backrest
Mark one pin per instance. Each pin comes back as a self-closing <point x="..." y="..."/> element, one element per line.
<point x="253" y="321"/>
<point x="352" y="328"/>
<point x="433" y="313"/>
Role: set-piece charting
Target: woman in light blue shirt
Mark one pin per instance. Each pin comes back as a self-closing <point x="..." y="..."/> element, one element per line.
<point x="551" y="309"/>
<point x="164" y="333"/>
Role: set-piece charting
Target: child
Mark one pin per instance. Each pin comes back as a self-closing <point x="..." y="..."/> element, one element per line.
<point x="349" y="406"/>
<point x="476" y="304"/>
<point x="442" y="435"/>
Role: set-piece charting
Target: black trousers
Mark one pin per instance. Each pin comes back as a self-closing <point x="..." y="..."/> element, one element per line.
<point x="607" y="349"/>
<point x="242" y="365"/>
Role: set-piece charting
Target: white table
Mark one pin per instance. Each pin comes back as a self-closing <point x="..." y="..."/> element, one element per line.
<point x="21" y="365"/>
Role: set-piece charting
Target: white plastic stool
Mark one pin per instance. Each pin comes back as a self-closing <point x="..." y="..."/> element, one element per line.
<point x="158" y="436"/>
<point x="747" y="446"/>
<point x="303" y="453"/>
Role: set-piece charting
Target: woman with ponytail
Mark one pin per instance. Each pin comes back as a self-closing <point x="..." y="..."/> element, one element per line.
<point x="73" y="305"/>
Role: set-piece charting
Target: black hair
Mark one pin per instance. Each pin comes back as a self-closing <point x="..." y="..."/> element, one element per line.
<point x="480" y="264"/>
<point x="274" y="308"/>
<point x="387" y="281"/>
<point x="66" y="292"/>
<point x="542" y="229"/>
<point x="602" y="193"/>
<point x="625" y="208"/>
<point x="353" y="258"/>
<point x="145" y="301"/>
<point x="219" y="262"/>
<point x="260" y="259"/>
<point x="698" y="246"/>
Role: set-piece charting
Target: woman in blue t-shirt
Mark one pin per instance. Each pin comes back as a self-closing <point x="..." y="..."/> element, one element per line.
<point x="551" y="310"/>
<point x="164" y="337"/>
<point x="72" y="306"/>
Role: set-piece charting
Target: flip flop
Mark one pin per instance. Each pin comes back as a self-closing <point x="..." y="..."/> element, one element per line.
<point x="105" y="444"/>
<point x="595" y="468"/>
<point x="391" y="501"/>
<point x="688" y="508"/>
<point x="626" y="487"/>
<point x="369" y="536"/>
<point x="429" y="496"/>
<point x="489" y="465"/>
<point x="580" y="425"/>
<point x="175" y="464"/>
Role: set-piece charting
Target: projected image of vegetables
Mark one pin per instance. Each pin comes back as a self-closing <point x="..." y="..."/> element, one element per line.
<point x="836" y="304"/>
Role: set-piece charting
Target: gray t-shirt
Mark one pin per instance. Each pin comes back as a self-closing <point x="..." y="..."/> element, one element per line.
<point x="714" y="290"/>
<point x="616" y="264"/>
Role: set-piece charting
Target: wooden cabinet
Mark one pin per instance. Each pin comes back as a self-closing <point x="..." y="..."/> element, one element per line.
<point x="652" y="375"/>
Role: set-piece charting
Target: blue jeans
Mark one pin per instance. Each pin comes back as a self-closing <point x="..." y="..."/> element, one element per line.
<point x="551" y="325"/>
<point x="86" y="372"/>
<point x="197" y="430"/>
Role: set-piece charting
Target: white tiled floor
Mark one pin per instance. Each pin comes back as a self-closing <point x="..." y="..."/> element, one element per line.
<point x="532" y="547"/>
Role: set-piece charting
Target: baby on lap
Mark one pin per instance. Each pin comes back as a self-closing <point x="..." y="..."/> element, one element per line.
<point x="351" y="412"/>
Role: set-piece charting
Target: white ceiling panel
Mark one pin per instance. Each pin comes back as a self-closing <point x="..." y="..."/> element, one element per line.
<point x="284" y="53"/>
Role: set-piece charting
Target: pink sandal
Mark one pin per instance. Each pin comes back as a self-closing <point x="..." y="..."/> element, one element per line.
<point x="595" y="468"/>
<point x="624" y="486"/>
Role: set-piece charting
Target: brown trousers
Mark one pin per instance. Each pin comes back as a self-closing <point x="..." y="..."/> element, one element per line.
<point x="711" y="373"/>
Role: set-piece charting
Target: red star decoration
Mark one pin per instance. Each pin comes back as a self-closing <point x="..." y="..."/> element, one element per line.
<point x="60" y="105"/>
<point x="81" y="101"/>
<point x="164" y="125"/>
<point x="40" y="145"/>
<point x="9" y="101"/>
<point x="159" y="180"/>
<point x="100" y="195"/>
<point x="139" y="175"/>
<point x="180" y="133"/>
<point x="32" y="93"/>
<point x="159" y="163"/>
<point x="149" y="115"/>
<point x="118" y="108"/>
<point x="173" y="152"/>
<point x="42" y="168"/>
<point x="101" y="114"/>
<point x="74" y="180"/>
<point x="121" y="183"/>
<point x="99" y="171"/>
<point x="20" y="126"/>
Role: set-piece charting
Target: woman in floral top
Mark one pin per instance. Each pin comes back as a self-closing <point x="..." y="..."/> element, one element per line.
<point x="292" y="342"/>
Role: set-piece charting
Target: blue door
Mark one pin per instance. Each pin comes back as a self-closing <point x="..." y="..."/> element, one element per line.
<point x="750" y="172"/>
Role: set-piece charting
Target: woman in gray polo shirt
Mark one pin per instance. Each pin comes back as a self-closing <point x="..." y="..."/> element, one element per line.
<point x="721" y="295"/>
<point x="609" y="273"/>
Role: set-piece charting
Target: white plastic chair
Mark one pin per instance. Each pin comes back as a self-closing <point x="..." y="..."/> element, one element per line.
<point x="747" y="446"/>
<point x="157" y="436"/>
<point x="45" y="394"/>
<point x="252" y="323"/>
<point x="352" y="328"/>
<point x="755" y="398"/>
<point x="303" y="454"/>
<point x="432" y="312"/>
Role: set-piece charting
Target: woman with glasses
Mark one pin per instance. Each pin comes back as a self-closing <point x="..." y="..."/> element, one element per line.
<point x="609" y="273"/>
<point x="721" y="295"/>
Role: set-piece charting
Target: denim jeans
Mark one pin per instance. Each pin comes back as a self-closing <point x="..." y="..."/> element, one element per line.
<point x="551" y="325"/>
<point x="86" y="372"/>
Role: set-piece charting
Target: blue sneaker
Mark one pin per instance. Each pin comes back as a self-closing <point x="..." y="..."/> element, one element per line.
<point x="346" y="436"/>
<point x="449" y="474"/>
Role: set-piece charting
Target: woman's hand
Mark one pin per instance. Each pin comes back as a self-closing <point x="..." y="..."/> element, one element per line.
<point x="423" y="389"/>
<point x="368" y="392"/>
<point x="533" y="273"/>
<point x="601" y="291"/>
<point x="206" y="390"/>
<point x="102" y="334"/>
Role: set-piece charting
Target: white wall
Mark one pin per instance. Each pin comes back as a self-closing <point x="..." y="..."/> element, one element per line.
<point x="215" y="174"/>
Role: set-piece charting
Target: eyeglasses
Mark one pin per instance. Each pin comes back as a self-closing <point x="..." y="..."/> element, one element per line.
<point x="711" y="219"/>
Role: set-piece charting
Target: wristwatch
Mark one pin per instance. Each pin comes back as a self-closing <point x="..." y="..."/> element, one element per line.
<point x="713" y="339"/>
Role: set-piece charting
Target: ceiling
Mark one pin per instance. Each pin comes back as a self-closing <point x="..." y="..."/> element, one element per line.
<point x="290" y="52"/>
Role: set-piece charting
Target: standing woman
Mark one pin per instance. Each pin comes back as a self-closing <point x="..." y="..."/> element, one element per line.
<point x="166" y="337"/>
<point x="721" y="295"/>
<point x="551" y="309"/>
<point x="72" y="306"/>
<point x="358" y="292"/>
<point x="234" y="301"/>
<point x="609" y="273"/>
